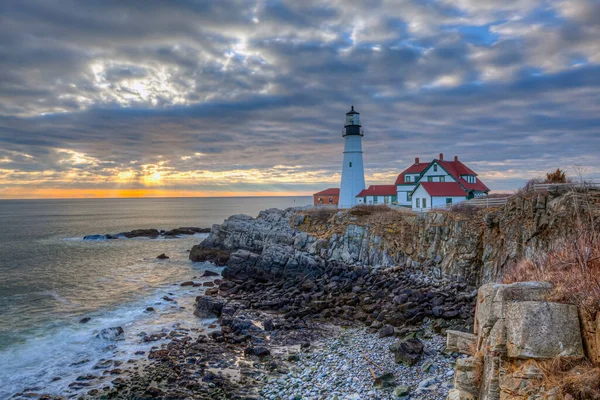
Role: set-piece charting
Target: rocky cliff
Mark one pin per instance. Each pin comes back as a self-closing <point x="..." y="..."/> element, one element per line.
<point x="471" y="246"/>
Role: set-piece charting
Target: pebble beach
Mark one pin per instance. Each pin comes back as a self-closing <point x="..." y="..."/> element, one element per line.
<point x="344" y="366"/>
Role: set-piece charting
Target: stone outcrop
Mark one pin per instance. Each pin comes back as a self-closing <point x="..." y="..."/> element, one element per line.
<point x="149" y="233"/>
<point x="474" y="247"/>
<point x="514" y="327"/>
<point x="263" y="247"/>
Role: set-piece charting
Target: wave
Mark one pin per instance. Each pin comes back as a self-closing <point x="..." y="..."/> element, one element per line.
<point x="54" y="355"/>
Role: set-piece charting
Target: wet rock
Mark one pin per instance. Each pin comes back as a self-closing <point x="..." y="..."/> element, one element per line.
<point x="114" y="333"/>
<point x="208" y="273"/>
<point x="150" y="309"/>
<point x="187" y="283"/>
<point x="161" y="355"/>
<point x="208" y="307"/>
<point x="153" y="392"/>
<point x="151" y="233"/>
<point x="257" y="351"/>
<point x="84" y="320"/>
<point x="163" y="256"/>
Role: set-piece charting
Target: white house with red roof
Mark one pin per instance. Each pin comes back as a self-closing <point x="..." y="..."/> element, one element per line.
<point x="407" y="181"/>
<point x="377" y="194"/>
<point x="442" y="183"/>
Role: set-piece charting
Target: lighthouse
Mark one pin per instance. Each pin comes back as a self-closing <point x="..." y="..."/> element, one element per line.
<point x="353" y="174"/>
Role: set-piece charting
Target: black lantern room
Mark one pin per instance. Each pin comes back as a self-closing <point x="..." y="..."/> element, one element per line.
<point x="352" y="125"/>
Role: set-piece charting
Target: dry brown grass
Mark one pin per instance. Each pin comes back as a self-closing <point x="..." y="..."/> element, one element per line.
<point x="320" y="214"/>
<point x="572" y="265"/>
<point x="366" y="209"/>
<point x="575" y="379"/>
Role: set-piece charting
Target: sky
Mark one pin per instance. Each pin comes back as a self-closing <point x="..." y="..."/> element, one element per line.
<point x="247" y="97"/>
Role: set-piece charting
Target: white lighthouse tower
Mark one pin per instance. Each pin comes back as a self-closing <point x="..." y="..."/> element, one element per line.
<point x="353" y="174"/>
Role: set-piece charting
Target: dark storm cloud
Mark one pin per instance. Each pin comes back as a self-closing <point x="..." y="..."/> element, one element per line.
<point x="201" y="91"/>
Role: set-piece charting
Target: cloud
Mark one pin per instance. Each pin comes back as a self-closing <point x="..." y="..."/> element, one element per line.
<point x="112" y="94"/>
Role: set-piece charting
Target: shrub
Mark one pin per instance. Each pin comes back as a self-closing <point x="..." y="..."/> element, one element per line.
<point x="557" y="176"/>
<point x="575" y="379"/>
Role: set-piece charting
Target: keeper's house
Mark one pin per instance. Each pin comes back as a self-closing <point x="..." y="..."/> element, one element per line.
<point x="329" y="196"/>
<point x="440" y="183"/>
<point x="378" y="194"/>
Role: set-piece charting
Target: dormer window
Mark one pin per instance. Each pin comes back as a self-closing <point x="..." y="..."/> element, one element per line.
<point x="434" y="167"/>
<point x="407" y="178"/>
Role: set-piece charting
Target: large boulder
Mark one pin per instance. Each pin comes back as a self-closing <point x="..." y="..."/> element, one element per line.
<point x="542" y="330"/>
<point x="208" y="307"/>
<point x="407" y="351"/>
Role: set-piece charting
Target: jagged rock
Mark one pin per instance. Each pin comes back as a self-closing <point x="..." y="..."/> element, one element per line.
<point x="162" y="256"/>
<point x="461" y="342"/>
<point x="407" y="351"/>
<point x="208" y="273"/>
<point x="208" y="307"/>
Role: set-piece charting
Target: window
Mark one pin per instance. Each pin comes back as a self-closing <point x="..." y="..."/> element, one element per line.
<point x="418" y="203"/>
<point x="407" y="178"/>
<point x="331" y="199"/>
<point x="374" y="199"/>
<point x="350" y="164"/>
<point x="320" y="200"/>
<point x="430" y="179"/>
<point x="448" y="201"/>
<point x="442" y="179"/>
<point x="424" y="203"/>
<point x="408" y="197"/>
<point x="434" y="167"/>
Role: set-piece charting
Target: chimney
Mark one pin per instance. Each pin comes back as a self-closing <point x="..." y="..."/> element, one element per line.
<point x="441" y="156"/>
<point x="416" y="160"/>
<point x="455" y="158"/>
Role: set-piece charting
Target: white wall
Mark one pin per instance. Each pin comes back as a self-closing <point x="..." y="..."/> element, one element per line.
<point x="353" y="177"/>
<point x="441" y="201"/>
<point x="380" y="199"/>
<point x="402" y="190"/>
<point x="421" y="194"/>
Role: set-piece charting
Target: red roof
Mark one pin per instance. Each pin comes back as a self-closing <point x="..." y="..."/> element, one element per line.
<point x="379" y="190"/>
<point x="456" y="169"/>
<point x="413" y="169"/>
<point x="328" y="192"/>
<point x="452" y="189"/>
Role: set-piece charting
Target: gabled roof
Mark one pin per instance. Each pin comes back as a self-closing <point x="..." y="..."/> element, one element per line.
<point x="416" y="168"/>
<point x="443" y="189"/>
<point x="456" y="169"/>
<point x="379" y="190"/>
<point x="328" y="192"/>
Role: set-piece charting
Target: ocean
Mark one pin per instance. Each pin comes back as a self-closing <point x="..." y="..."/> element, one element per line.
<point x="50" y="278"/>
